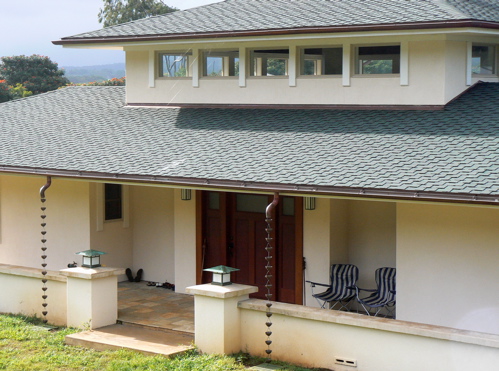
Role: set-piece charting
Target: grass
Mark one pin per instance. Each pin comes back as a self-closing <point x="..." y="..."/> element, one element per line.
<point x="26" y="345"/>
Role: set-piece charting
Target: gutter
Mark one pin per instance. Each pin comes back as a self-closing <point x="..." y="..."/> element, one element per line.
<point x="241" y="186"/>
<point x="465" y="23"/>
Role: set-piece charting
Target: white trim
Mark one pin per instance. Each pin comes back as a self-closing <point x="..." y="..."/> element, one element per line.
<point x="99" y="207"/>
<point x="469" y="60"/>
<point x="152" y="69"/>
<point x="292" y="65"/>
<point x="404" y="63"/>
<point x="125" y="205"/>
<point x="195" y="68"/>
<point x="347" y="55"/>
<point x="242" y="66"/>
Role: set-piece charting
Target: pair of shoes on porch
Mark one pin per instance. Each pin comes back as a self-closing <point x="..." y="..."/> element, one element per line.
<point x="168" y="285"/>
<point x="129" y="275"/>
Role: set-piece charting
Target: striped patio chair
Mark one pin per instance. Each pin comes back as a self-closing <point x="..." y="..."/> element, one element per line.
<point x="341" y="289"/>
<point x="383" y="296"/>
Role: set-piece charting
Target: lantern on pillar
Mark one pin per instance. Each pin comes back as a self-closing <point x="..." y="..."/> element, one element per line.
<point x="91" y="258"/>
<point x="221" y="275"/>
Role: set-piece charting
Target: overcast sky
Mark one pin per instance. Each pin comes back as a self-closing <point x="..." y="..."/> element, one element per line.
<point x="29" y="27"/>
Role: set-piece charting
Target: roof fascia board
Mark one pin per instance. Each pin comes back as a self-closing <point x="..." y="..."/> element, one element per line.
<point x="241" y="186"/>
<point x="106" y="43"/>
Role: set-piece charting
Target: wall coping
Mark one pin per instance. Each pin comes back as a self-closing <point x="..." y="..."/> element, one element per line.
<point x="92" y="273"/>
<point x="221" y="292"/>
<point x="382" y="324"/>
<point x="18" y="270"/>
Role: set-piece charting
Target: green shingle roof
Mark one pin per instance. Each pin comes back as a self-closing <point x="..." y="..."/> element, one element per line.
<point x="455" y="150"/>
<point x="251" y="15"/>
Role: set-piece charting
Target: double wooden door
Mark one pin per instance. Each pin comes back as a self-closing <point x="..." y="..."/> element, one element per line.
<point x="233" y="234"/>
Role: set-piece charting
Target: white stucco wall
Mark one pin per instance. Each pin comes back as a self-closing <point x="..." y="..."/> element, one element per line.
<point x="185" y="241"/>
<point x="316" y="338"/>
<point x="371" y="238"/>
<point x="67" y="221"/>
<point x="437" y="69"/>
<point x="22" y="293"/>
<point x="153" y="233"/>
<point x="113" y="236"/>
<point x="455" y="69"/>
<point x="316" y="246"/>
<point x="448" y="266"/>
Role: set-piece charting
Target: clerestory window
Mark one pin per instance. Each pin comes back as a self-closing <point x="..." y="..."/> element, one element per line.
<point x="269" y="62"/>
<point x="483" y="60"/>
<point x="221" y="63"/>
<point x="374" y="60"/>
<point x="174" y="65"/>
<point x="321" y="61"/>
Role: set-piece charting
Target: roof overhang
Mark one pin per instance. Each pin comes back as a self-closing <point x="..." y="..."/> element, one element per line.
<point x="436" y="25"/>
<point x="261" y="187"/>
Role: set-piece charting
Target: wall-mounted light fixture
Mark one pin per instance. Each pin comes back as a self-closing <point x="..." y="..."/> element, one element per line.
<point x="185" y="194"/>
<point x="309" y="203"/>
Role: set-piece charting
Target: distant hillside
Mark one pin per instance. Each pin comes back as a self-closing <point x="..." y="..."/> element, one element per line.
<point x="79" y="75"/>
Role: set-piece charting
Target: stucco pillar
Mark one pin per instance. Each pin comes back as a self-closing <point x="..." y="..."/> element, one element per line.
<point x="216" y="316"/>
<point x="92" y="296"/>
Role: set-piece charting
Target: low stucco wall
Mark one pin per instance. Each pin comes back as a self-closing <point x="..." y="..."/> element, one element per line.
<point x="21" y="293"/>
<point x="316" y="338"/>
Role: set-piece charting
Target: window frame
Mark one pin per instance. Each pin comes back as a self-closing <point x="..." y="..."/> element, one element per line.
<point x="356" y="60"/>
<point x="259" y="53"/>
<point x="227" y="56"/>
<point x="118" y="202"/>
<point x="185" y="54"/>
<point x="322" y="66"/>
<point x="495" y="55"/>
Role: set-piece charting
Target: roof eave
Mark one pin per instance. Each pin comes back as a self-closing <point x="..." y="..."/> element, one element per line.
<point x="466" y="23"/>
<point x="249" y="186"/>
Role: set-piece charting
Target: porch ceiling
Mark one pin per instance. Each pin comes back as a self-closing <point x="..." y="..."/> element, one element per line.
<point x="89" y="132"/>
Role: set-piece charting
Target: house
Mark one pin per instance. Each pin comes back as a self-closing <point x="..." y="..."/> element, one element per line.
<point x="376" y="122"/>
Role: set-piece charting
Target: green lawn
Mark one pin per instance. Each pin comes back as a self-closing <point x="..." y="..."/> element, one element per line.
<point x="25" y="345"/>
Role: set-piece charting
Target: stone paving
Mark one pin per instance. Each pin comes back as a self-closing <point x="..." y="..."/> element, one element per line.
<point x="157" y="307"/>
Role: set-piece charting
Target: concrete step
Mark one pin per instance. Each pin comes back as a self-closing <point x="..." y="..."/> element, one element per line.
<point x="152" y="327"/>
<point x="143" y="340"/>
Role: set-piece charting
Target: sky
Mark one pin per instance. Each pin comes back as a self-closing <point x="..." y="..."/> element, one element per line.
<point x="29" y="27"/>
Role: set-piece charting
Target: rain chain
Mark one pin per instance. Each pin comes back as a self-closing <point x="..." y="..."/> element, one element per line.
<point x="268" y="275"/>
<point x="44" y="249"/>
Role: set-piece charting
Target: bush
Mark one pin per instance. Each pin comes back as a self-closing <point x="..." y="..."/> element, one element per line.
<point x="112" y="82"/>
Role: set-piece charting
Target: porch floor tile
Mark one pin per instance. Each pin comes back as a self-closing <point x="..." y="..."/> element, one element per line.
<point x="153" y="306"/>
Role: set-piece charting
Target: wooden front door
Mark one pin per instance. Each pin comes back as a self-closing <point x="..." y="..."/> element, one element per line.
<point x="233" y="234"/>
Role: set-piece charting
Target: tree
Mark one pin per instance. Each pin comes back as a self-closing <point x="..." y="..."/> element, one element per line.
<point x="4" y="92"/>
<point x="36" y="73"/>
<point x="121" y="11"/>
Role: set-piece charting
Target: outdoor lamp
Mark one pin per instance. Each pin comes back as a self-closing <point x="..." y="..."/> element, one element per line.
<point x="221" y="275"/>
<point x="185" y="194"/>
<point x="309" y="203"/>
<point x="91" y="258"/>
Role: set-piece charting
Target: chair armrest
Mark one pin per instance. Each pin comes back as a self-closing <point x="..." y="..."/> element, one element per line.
<point x="317" y="283"/>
